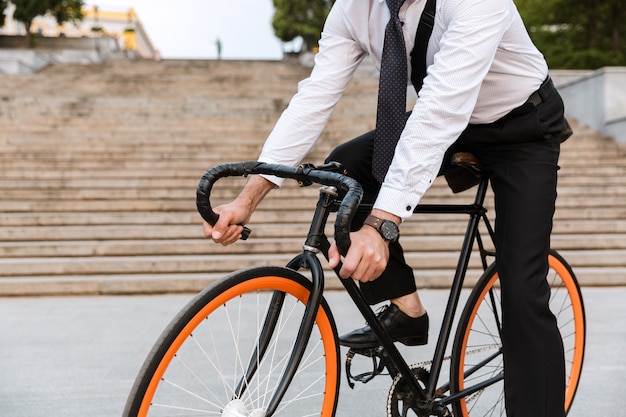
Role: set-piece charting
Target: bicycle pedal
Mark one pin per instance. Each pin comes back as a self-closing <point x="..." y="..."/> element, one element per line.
<point x="378" y="365"/>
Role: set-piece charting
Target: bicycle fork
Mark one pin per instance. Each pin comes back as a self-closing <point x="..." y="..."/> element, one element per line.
<point x="306" y="260"/>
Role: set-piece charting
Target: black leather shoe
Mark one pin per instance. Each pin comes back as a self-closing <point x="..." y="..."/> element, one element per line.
<point x="400" y="328"/>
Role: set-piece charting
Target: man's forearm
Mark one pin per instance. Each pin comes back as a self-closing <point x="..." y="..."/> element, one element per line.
<point x="255" y="190"/>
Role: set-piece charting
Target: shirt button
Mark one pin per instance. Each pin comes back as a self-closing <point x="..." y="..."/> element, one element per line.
<point x="409" y="208"/>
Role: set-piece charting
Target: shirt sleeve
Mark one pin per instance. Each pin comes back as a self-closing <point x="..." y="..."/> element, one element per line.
<point x="471" y="35"/>
<point x="302" y="123"/>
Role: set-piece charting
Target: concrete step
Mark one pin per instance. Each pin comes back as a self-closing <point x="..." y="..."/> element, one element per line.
<point x="172" y="189"/>
<point x="191" y="273"/>
<point x="185" y="224"/>
<point x="284" y="243"/>
<point x="105" y="265"/>
<point x="195" y="282"/>
<point x="567" y="233"/>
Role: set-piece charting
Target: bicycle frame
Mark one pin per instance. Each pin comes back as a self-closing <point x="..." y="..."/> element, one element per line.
<point x="317" y="242"/>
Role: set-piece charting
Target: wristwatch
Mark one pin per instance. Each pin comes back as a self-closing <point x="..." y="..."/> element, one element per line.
<point x="388" y="229"/>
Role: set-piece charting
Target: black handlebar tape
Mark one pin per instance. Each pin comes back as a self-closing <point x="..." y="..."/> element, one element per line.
<point x="345" y="213"/>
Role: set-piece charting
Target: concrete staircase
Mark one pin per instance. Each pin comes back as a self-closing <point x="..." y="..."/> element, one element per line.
<point x="99" y="166"/>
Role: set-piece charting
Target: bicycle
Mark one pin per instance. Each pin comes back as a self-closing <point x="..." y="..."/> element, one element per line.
<point x="263" y="342"/>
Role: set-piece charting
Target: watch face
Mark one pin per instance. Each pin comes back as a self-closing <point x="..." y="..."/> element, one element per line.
<point x="389" y="230"/>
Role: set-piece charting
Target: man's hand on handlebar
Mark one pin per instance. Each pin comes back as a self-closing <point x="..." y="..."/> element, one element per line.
<point x="228" y="228"/>
<point x="367" y="257"/>
<point x="233" y="215"/>
<point x="368" y="254"/>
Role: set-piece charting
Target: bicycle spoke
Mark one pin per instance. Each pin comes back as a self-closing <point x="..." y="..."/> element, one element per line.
<point x="479" y="334"/>
<point x="230" y="353"/>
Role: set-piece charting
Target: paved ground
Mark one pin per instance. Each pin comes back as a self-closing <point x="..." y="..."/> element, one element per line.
<point x="78" y="356"/>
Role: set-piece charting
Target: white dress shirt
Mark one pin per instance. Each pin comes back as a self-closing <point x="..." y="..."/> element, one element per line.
<point x="481" y="65"/>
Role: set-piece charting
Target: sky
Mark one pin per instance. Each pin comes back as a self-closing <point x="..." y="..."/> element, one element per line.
<point x="190" y="28"/>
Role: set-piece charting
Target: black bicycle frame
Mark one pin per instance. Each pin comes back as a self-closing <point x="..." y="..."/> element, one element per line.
<point x="318" y="242"/>
<point x="476" y="212"/>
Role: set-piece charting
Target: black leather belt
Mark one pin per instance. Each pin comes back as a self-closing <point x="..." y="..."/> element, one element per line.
<point x="541" y="95"/>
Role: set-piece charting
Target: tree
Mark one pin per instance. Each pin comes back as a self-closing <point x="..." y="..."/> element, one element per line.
<point x="67" y="10"/>
<point x="3" y="6"/>
<point x="300" y="18"/>
<point x="27" y="10"/>
<point x="62" y="10"/>
<point x="581" y="34"/>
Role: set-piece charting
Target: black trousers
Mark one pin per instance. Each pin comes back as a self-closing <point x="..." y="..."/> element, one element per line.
<point x="520" y="152"/>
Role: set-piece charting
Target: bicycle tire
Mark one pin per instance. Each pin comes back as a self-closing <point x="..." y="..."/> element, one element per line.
<point x="478" y="335"/>
<point x="198" y="361"/>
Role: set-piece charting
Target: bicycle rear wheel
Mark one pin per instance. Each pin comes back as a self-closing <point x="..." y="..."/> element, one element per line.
<point x="477" y="349"/>
<point x="206" y="361"/>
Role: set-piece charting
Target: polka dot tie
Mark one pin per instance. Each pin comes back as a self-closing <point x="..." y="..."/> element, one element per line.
<point x="390" y="116"/>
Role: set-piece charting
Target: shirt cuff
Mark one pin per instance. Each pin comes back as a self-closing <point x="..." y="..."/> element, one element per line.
<point x="277" y="181"/>
<point x="397" y="202"/>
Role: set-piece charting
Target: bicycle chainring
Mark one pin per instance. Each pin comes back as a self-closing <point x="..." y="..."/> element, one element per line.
<point x="400" y="400"/>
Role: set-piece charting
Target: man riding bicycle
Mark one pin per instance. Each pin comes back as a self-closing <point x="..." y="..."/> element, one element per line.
<point x="486" y="91"/>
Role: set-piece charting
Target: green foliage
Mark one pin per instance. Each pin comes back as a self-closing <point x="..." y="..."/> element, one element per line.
<point x="577" y="34"/>
<point x="62" y="10"/>
<point x="3" y="5"/>
<point x="572" y="34"/>
<point x="304" y="18"/>
<point x="67" y="10"/>
<point x="27" y="10"/>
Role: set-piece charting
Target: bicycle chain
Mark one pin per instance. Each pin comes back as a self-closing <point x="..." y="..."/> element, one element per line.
<point x="425" y="365"/>
<point x="468" y="352"/>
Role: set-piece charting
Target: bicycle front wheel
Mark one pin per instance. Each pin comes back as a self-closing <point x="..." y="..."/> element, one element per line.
<point x="225" y="352"/>
<point x="477" y="349"/>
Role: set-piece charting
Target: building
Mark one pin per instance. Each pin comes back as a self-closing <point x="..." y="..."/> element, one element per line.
<point x="124" y="27"/>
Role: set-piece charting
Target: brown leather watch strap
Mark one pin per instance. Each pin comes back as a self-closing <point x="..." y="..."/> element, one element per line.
<point x="373" y="221"/>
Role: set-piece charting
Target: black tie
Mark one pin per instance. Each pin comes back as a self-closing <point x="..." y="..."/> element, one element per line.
<point x="390" y="116"/>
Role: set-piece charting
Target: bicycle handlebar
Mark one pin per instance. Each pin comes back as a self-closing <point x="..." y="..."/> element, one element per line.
<point x="304" y="174"/>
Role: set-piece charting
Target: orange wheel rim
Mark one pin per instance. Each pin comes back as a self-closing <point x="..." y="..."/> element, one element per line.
<point x="577" y="311"/>
<point x="261" y="283"/>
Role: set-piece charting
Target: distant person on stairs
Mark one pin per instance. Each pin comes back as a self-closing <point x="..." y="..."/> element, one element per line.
<point x="483" y="87"/>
